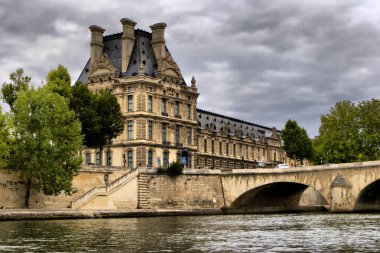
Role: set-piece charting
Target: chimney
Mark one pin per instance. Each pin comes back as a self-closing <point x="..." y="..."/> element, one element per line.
<point x="96" y="42"/>
<point x="127" y="42"/>
<point x="158" y="40"/>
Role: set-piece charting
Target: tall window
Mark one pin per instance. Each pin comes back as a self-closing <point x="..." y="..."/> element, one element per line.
<point x="88" y="158"/>
<point x="253" y="152"/>
<point x="275" y="155"/>
<point x="176" y="108"/>
<point x="241" y="150"/>
<point x="166" y="159"/>
<point x="163" y="105"/>
<point x="109" y="158"/>
<point x="130" y="103"/>
<point x="205" y="145"/>
<point x="177" y="134"/>
<point x="150" y="130"/>
<point x="130" y="159"/>
<point x="163" y="133"/>
<point x="227" y="149"/>
<point x="258" y="154"/>
<point x="188" y="111"/>
<point x="234" y="149"/>
<point x="130" y="129"/>
<point x="97" y="157"/>
<point x="189" y="135"/>
<point x="150" y="159"/>
<point x="212" y="147"/>
<point x="150" y="103"/>
<point x="179" y="157"/>
<point x="220" y="147"/>
<point x="246" y="151"/>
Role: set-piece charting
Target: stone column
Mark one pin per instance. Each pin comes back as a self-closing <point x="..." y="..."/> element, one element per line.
<point x="158" y="40"/>
<point x="127" y="42"/>
<point x="96" y="42"/>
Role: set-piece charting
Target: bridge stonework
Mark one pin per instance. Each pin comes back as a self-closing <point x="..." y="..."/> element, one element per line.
<point x="349" y="187"/>
<point x="345" y="187"/>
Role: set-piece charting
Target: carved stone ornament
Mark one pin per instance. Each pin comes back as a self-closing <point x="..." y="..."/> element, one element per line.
<point x="275" y="134"/>
<point x="141" y="69"/>
<point x="168" y="70"/>
<point x="102" y="70"/>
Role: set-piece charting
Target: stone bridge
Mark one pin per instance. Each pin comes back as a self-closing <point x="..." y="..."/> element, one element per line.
<point x="342" y="187"/>
<point x="350" y="187"/>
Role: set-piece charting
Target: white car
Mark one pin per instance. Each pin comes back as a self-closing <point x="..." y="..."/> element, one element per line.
<point x="283" y="166"/>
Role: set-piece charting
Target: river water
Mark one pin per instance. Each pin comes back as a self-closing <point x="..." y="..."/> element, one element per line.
<point x="230" y="233"/>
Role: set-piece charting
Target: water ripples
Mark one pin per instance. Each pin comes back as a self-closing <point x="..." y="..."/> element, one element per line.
<point x="232" y="233"/>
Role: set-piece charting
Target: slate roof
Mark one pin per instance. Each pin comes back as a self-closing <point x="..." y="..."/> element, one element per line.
<point x="216" y="122"/>
<point x="142" y="52"/>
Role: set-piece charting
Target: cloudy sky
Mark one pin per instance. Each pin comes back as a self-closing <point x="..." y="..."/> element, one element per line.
<point x="257" y="60"/>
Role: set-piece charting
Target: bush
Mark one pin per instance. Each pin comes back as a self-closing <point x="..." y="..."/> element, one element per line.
<point x="175" y="169"/>
<point x="161" y="170"/>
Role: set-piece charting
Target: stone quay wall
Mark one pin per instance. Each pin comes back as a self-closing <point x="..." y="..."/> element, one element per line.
<point x="185" y="191"/>
<point x="12" y="189"/>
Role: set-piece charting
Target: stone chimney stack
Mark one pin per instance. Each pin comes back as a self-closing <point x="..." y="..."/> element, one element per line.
<point x="96" y="42"/>
<point x="158" y="40"/>
<point x="127" y="42"/>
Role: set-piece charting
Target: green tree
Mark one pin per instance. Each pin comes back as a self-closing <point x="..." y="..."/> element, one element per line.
<point x="339" y="139"/>
<point x="369" y="129"/>
<point x="18" y="83"/>
<point x="83" y="103"/>
<point x="100" y="115"/>
<point x="297" y="143"/>
<point x="111" y="122"/>
<point x="5" y="139"/>
<point x="47" y="138"/>
<point x="59" y="81"/>
<point x="350" y="132"/>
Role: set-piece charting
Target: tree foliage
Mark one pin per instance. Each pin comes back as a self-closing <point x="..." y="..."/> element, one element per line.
<point x="83" y="103"/>
<point x="5" y="139"/>
<point x="350" y="132"/>
<point x="100" y="115"/>
<point x="297" y="143"/>
<point x="59" y="81"/>
<point x="47" y="138"/>
<point x="18" y="83"/>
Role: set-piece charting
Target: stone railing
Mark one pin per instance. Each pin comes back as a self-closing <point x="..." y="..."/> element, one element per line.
<point x="105" y="190"/>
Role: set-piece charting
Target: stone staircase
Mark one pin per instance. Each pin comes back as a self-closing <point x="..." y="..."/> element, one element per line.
<point x="97" y="191"/>
<point x="143" y="192"/>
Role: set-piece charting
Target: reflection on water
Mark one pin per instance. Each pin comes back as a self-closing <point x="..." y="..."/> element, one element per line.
<point x="234" y="233"/>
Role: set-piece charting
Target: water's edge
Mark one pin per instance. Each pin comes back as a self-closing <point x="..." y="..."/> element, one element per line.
<point x="58" y="214"/>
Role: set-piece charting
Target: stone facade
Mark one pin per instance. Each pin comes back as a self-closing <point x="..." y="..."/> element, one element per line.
<point x="162" y="122"/>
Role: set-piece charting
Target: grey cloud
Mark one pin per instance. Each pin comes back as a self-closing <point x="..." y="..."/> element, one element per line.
<point x="261" y="61"/>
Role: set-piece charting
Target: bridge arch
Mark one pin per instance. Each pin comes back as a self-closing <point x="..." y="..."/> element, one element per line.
<point x="369" y="197"/>
<point x="277" y="196"/>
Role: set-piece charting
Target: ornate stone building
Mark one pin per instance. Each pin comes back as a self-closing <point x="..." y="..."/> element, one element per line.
<point x="162" y="122"/>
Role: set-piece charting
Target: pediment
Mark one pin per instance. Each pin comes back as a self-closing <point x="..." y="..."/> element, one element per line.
<point x="171" y="72"/>
<point x="102" y="70"/>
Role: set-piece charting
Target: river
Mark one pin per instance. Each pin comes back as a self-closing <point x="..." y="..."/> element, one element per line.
<point x="229" y="233"/>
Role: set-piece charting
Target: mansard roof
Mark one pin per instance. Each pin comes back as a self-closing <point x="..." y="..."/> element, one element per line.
<point x="142" y="53"/>
<point x="231" y="126"/>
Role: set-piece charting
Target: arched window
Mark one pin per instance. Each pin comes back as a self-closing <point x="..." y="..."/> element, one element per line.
<point x="98" y="158"/>
<point x="88" y="158"/>
<point x="150" y="159"/>
<point x="130" y="159"/>
<point x="166" y="159"/>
